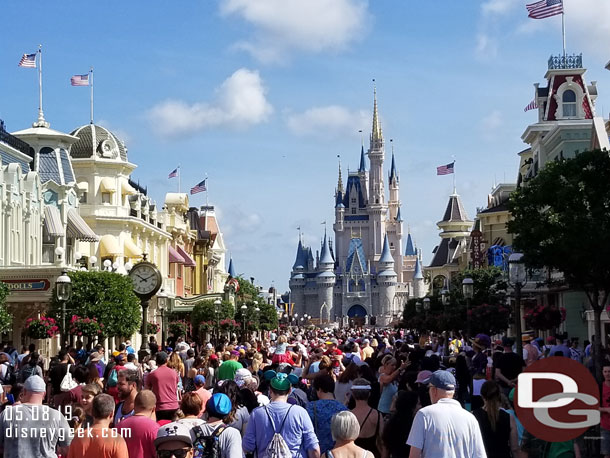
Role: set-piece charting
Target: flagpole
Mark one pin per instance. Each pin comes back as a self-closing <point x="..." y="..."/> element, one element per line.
<point x="91" y="84"/>
<point x="41" y="122"/>
<point x="178" y="178"/>
<point x="454" y="188"/>
<point x="563" y="33"/>
<point x="206" y="190"/>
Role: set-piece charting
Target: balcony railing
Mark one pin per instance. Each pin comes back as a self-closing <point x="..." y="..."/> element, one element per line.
<point x="571" y="61"/>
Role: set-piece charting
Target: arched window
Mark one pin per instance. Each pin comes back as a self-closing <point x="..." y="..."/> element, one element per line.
<point x="569" y="103"/>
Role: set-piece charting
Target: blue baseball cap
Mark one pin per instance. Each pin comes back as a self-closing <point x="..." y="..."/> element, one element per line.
<point x="199" y="379"/>
<point x="443" y="380"/>
<point x="219" y="405"/>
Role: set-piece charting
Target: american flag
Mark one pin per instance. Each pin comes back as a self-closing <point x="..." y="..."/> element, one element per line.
<point x="532" y="105"/>
<point x="445" y="169"/>
<point x="173" y="174"/>
<point x="199" y="187"/>
<point x="544" y="9"/>
<point x="28" y="60"/>
<point x="80" y="80"/>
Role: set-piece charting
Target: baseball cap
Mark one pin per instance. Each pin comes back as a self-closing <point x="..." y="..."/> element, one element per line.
<point x="35" y="384"/>
<point x="234" y="352"/>
<point x="332" y="341"/>
<point x="209" y="346"/>
<point x="199" y="379"/>
<point x="213" y="356"/>
<point x="219" y="405"/>
<point x="423" y="375"/>
<point x="442" y="380"/>
<point x="174" y="431"/>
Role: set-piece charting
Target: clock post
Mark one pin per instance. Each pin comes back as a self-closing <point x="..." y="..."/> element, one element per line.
<point x="147" y="280"/>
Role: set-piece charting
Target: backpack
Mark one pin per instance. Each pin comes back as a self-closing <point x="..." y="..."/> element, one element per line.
<point x="113" y="378"/>
<point x="207" y="446"/>
<point x="27" y="371"/>
<point x="277" y="448"/>
<point x="10" y="376"/>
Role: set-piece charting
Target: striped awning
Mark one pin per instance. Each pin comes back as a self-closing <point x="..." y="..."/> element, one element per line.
<point x="188" y="261"/>
<point x="52" y="221"/>
<point x="174" y="256"/>
<point x="109" y="246"/>
<point x="107" y="185"/>
<point x="79" y="229"/>
<point x="131" y="249"/>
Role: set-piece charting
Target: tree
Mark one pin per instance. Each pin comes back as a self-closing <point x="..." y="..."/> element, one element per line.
<point x="561" y="221"/>
<point x="487" y="313"/>
<point x="106" y="296"/>
<point x="205" y="312"/>
<point x="6" y="318"/>
<point x="247" y="292"/>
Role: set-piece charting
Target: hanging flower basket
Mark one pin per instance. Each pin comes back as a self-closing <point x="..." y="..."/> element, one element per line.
<point x="88" y="327"/>
<point x="153" y="328"/>
<point x="41" y="328"/>
<point x="206" y="326"/>
<point x="229" y="325"/>
<point x="544" y="317"/>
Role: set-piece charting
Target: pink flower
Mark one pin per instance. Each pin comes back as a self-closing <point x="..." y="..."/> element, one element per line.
<point x="80" y="333"/>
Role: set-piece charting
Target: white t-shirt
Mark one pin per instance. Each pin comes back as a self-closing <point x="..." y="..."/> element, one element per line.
<point x="446" y="430"/>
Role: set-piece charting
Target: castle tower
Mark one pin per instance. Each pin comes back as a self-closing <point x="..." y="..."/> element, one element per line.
<point x="325" y="282"/>
<point x="377" y="205"/>
<point x="386" y="281"/>
<point x="297" y="280"/>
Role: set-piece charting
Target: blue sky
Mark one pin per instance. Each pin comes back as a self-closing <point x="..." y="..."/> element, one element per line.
<point x="263" y="95"/>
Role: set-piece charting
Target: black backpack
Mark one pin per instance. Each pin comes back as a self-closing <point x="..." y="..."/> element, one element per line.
<point x="10" y="377"/>
<point x="27" y="371"/>
<point x="207" y="446"/>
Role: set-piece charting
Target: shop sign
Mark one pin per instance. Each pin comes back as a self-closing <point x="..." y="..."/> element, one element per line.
<point x="28" y="285"/>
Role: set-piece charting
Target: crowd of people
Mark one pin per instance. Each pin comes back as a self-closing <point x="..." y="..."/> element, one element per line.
<point x="333" y="393"/>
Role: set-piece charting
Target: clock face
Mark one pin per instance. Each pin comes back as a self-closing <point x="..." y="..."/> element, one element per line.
<point x="146" y="280"/>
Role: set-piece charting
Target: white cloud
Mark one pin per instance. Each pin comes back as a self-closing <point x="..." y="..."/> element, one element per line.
<point x="498" y="7"/>
<point x="586" y="27"/>
<point x="240" y="102"/>
<point x="491" y="124"/>
<point x="328" y="121"/>
<point x="487" y="46"/>
<point x="282" y="26"/>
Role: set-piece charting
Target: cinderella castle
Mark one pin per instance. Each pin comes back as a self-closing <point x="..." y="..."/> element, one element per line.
<point x="365" y="276"/>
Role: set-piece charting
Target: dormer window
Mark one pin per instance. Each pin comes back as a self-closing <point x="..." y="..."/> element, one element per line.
<point x="568" y="100"/>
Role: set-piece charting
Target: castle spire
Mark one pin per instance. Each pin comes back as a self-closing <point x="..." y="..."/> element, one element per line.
<point x="410" y="250"/>
<point x="393" y="172"/>
<point x="376" y="136"/>
<point x="362" y="167"/>
<point x="231" y="270"/>
<point x="340" y="180"/>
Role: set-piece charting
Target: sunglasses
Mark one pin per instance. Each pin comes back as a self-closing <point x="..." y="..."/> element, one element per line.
<point x="178" y="453"/>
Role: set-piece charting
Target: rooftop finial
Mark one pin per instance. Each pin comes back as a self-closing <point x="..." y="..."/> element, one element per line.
<point x="376" y="135"/>
<point x="340" y="180"/>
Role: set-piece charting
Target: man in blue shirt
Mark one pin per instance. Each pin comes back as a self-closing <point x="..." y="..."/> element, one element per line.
<point x="291" y="421"/>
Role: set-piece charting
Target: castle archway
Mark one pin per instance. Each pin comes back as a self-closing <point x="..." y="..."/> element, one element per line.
<point x="357" y="315"/>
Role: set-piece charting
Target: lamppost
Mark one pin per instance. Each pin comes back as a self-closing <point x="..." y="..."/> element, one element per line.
<point x="63" y="291"/>
<point x="445" y="299"/>
<point x="468" y="291"/>
<point x="426" y="304"/>
<point x="244" y="309"/>
<point x="257" y="316"/>
<point x="217" y="303"/>
<point x="418" y="307"/>
<point x="296" y="319"/>
<point x="517" y="276"/>
<point x="162" y="300"/>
